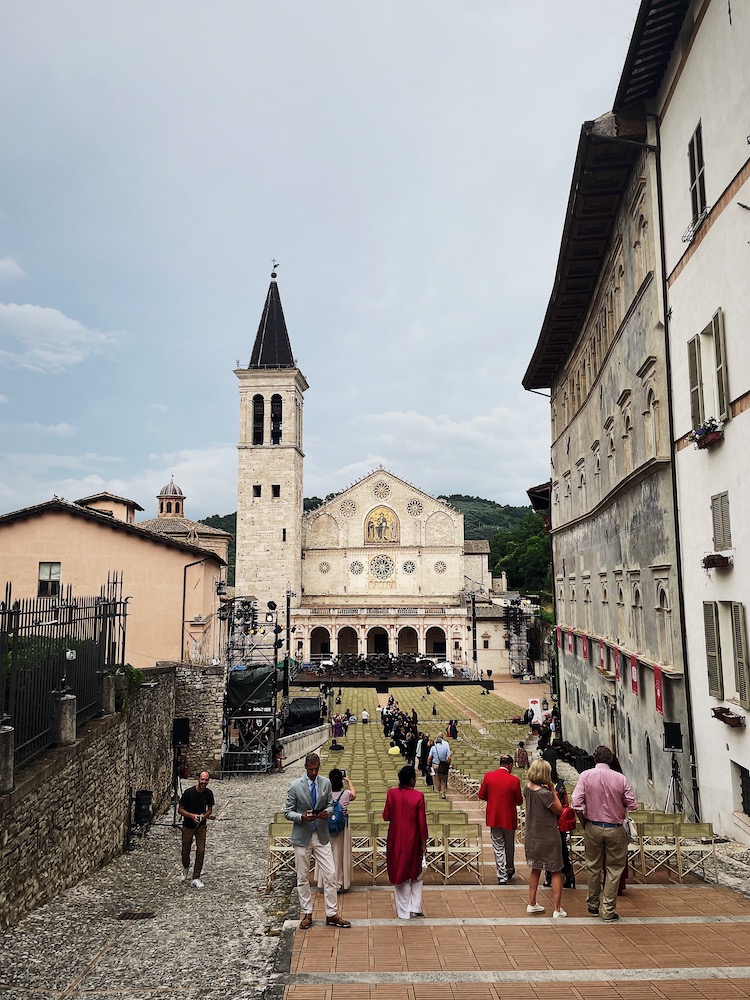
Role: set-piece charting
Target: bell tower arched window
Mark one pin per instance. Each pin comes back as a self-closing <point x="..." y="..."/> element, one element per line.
<point x="258" y="413"/>
<point x="276" y="419"/>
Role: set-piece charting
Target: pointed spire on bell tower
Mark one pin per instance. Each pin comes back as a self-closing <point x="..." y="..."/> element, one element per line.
<point x="272" y="348"/>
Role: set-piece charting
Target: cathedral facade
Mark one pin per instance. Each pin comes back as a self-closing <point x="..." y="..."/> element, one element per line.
<point x="381" y="568"/>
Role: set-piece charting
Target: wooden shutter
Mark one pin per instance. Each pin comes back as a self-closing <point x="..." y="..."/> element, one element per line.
<point x="740" y="654"/>
<point x="722" y="386"/>
<point x="713" y="649"/>
<point x="696" y="385"/>
<point x="721" y="523"/>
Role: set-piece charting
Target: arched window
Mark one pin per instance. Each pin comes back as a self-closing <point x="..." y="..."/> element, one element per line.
<point x="177" y="506"/>
<point x="258" y="415"/>
<point x="638" y="619"/>
<point x="561" y="605"/>
<point x="593" y="713"/>
<point x="649" y="760"/>
<point x="587" y="623"/>
<point x="664" y="619"/>
<point x="620" y="614"/>
<point x="161" y="506"/>
<point x="169" y="506"/>
<point x="276" y="419"/>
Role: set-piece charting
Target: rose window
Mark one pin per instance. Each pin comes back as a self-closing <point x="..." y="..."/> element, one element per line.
<point x="356" y="567"/>
<point x="324" y="567"/>
<point x="381" y="489"/>
<point x="348" y="508"/>
<point x="382" y="567"/>
<point x="440" y="566"/>
<point x="409" y="566"/>
<point x="415" y="507"/>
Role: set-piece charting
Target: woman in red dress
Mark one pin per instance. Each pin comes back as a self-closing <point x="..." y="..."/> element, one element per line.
<point x="407" y="840"/>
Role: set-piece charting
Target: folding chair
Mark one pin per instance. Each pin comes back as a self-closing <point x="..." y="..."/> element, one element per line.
<point x="463" y="851"/>
<point x="658" y="850"/>
<point x="280" y="851"/>
<point x="363" y="848"/>
<point x="695" y="849"/>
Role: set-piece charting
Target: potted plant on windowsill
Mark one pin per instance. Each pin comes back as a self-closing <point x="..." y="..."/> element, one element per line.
<point x="715" y="560"/>
<point x="707" y="434"/>
<point x="728" y="717"/>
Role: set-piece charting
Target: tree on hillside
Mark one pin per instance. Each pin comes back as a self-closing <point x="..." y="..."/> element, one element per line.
<point x="524" y="554"/>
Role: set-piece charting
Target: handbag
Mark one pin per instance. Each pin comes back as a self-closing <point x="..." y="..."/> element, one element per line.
<point x="444" y="767"/>
<point x="630" y="829"/>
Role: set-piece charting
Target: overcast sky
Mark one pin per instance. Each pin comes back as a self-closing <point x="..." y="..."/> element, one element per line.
<point x="408" y="164"/>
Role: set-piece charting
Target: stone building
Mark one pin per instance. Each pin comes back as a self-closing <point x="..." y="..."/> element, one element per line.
<point x="601" y="352"/>
<point x="688" y="66"/>
<point x="381" y="568"/>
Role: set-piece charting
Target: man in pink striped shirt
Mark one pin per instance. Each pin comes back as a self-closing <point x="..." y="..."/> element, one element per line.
<point x="601" y="798"/>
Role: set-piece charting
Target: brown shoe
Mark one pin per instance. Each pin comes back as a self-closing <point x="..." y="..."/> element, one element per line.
<point x="337" y="921"/>
<point x="306" y="922"/>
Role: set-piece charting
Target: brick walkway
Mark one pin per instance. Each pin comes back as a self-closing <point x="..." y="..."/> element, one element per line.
<point x="679" y="942"/>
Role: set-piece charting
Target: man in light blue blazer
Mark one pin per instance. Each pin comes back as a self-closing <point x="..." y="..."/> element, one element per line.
<point x="308" y="806"/>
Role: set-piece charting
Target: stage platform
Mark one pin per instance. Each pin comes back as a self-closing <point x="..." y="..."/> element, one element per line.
<point x="382" y="682"/>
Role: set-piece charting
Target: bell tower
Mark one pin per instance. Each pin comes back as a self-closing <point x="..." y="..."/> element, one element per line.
<point x="270" y="463"/>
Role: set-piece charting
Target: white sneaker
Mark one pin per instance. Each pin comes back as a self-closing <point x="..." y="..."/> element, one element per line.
<point x="536" y="908"/>
<point x="185" y="875"/>
<point x="196" y="883"/>
<point x="559" y="913"/>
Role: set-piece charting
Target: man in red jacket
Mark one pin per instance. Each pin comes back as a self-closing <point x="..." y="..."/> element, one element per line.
<point x="501" y="790"/>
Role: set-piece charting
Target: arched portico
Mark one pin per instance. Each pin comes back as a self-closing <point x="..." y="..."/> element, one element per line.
<point x="408" y="641"/>
<point x="347" y="641"/>
<point x="378" y="641"/>
<point x="320" y="643"/>
<point x="435" y="643"/>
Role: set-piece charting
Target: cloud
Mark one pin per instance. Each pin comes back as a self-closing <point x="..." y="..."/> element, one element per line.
<point x="4" y="399"/>
<point x="159" y="407"/>
<point x="56" y="430"/>
<point x="10" y="270"/>
<point x="47" y="339"/>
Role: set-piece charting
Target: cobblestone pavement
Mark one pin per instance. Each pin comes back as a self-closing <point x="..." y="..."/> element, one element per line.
<point x="221" y="941"/>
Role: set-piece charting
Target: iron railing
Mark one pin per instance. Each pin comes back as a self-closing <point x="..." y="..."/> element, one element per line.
<point x="56" y="644"/>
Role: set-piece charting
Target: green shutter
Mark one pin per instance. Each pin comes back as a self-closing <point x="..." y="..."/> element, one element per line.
<point x="696" y="386"/>
<point x="740" y="653"/>
<point x="713" y="649"/>
<point x="722" y="387"/>
<point x="721" y="523"/>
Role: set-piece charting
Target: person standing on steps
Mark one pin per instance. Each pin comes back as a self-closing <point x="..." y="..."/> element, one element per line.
<point x="407" y="839"/>
<point x="501" y="790"/>
<point x="440" y="757"/>
<point x="308" y="806"/>
<point x="196" y="805"/>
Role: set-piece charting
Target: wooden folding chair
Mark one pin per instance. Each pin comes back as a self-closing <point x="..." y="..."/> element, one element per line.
<point x="463" y="851"/>
<point x="696" y="849"/>
<point x="280" y="851"/>
<point x="658" y="850"/>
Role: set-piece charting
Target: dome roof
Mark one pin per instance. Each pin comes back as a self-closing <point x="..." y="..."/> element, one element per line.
<point x="171" y="490"/>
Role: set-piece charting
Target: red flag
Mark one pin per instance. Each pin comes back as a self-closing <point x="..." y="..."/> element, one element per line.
<point x="634" y="672"/>
<point x="570" y="642"/>
<point x="585" y="647"/>
<point x="658" y="689"/>
<point x="601" y="653"/>
<point x="559" y="637"/>
<point x="616" y="654"/>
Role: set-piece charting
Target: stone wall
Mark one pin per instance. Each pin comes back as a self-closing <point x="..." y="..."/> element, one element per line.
<point x="68" y="813"/>
<point x="199" y="697"/>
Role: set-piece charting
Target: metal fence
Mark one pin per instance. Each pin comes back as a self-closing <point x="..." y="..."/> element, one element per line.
<point x="62" y="643"/>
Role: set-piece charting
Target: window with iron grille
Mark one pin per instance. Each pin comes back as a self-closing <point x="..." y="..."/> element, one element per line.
<point x="721" y="524"/>
<point x="49" y="579"/>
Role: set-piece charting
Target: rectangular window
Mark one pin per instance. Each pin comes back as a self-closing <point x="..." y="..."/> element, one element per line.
<point x="697" y="174"/>
<point x="283" y="534"/>
<point x="707" y="373"/>
<point x="721" y="524"/>
<point x="744" y="788"/>
<point x="276" y="492"/>
<point x="49" y="579"/>
<point x="485" y="643"/>
<point x="256" y="490"/>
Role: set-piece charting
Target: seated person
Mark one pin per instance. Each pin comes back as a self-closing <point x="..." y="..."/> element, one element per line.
<point x="335" y="746"/>
<point x="394" y="750"/>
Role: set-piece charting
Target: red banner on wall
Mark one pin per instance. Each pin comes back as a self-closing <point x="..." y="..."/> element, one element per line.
<point x="634" y="672"/>
<point x="585" y="641"/>
<point x="616" y="654"/>
<point x="570" y="642"/>
<point x="601" y="653"/>
<point x="559" y="637"/>
<point x="658" y="689"/>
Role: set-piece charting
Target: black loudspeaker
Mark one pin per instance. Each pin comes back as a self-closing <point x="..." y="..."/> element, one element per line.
<point x="180" y="732"/>
<point x="672" y="736"/>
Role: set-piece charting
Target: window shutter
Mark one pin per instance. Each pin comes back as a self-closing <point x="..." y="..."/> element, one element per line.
<point x="713" y="649"/>
<point x="722" y="387"/>
<point x="720" y="518"/>
<point x="740" y="653"/>
<point x="696" y="387"/>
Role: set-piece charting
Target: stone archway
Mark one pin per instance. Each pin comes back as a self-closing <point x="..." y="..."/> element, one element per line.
<point x="347" y="641"/>
<point x="435" y="643"/>
<point x="408" y="641"/>
<point x="378" y="641"/>
<point x="320" y="644"/>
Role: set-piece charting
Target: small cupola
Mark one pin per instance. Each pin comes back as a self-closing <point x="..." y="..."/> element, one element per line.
<point x="171" y="500"/>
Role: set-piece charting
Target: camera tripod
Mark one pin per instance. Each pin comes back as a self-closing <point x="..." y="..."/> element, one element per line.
<point x="674" y="791"/>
